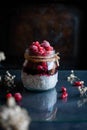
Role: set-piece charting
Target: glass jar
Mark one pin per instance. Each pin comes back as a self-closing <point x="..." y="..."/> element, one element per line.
<point x="40" y="72"/>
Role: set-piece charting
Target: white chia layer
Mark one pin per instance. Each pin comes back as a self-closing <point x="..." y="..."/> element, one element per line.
<point x="39" y="82"/>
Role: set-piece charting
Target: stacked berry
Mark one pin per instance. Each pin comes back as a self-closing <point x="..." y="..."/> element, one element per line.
<point x="64" y="92"/>
<point x="42" y="49"/>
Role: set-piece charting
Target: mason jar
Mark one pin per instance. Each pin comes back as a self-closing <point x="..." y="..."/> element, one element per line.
<point x="40" y="72"/>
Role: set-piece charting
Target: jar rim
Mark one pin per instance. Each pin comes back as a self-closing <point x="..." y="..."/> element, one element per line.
<point x="35" y="59"/>
<point x="49" y="54"/>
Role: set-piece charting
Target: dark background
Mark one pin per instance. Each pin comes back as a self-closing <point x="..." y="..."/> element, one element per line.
<point x="10" y="11"/>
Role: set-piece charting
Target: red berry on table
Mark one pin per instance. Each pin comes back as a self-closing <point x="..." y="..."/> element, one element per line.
<point x="8" y="95"/>
<point x="64" y="95"/>
<point x="78" y="83"/>
<point x="18" y="96"/>
<point x="63" y="89"/>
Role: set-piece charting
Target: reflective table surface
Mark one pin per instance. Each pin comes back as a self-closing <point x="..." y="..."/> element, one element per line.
<point x="46" y="109"/>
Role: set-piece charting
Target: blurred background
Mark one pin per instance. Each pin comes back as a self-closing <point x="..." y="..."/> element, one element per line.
<point x="61" y="22"/>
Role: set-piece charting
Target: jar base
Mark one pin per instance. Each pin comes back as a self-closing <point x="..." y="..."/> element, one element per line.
<point x="37" y="82"/>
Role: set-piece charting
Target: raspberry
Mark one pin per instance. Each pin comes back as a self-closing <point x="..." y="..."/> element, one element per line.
<point x="49" y="48"/>
<point x="39" y="67"/>
<point x="44" y="64"/>
<point x="36" y="43"/>
<point x="8" y="95"/>
<point x="17" y="96"/>
<point x="46" y="45"/>
<point x="41" y="51"/>
<point x="64" y="95"/>
<point x="33" y="49"/>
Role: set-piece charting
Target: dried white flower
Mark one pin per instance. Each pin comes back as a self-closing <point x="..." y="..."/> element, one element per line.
<point x="82" y="90"/>
<point x="9" y="79"/>
<point x="71" y="78"/>
<point x="13" y="117"/>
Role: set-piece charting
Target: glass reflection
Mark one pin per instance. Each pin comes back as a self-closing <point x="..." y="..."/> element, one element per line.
<point x="41" y="105"/>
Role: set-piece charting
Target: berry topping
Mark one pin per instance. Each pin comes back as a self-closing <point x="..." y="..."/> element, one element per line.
<point x="46" y="45"/>
<point x="17" y="96"/>
<point x="49" y="48"/>
<point x="33" y="49"/>
<point x="40" y="49"/>
<point x="36" y="43"/>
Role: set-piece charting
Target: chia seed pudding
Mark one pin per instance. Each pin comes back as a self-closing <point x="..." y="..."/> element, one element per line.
<point x="40" y="68"/>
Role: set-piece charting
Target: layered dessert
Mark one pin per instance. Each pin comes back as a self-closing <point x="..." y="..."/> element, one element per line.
<point x="40" y="68"/>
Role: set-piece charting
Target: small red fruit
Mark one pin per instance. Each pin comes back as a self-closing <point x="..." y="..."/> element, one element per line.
<point x="49" y="48"/>
<point x="39" y="67"/>
<point x="64" y="95"/>
<point x="41" y="50"/>
<point x="33" y="48"/>
<point x="17" y="96"/>
<point x="8" y="95"/>
<point x="63" y="89"/>
<point x="45" y="43"/>
<point x="78" y="83"/>
<point x="36" y="43"/>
